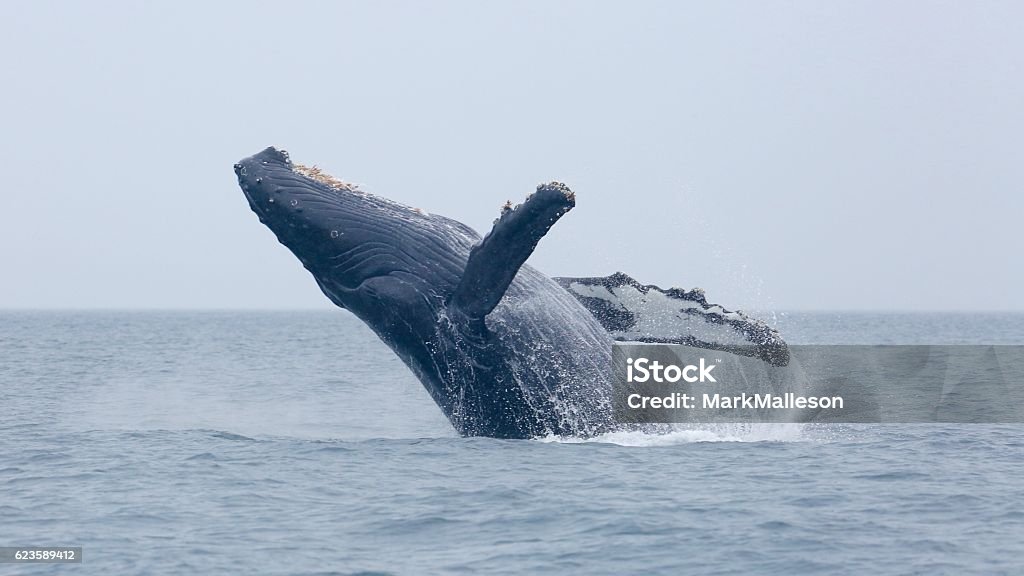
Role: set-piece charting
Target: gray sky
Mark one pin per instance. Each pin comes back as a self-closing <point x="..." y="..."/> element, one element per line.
<point x="810" y="155"/>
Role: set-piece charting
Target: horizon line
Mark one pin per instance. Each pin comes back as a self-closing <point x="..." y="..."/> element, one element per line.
<point x="333" y="309"/>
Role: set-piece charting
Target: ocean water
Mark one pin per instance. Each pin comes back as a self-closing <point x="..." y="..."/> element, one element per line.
<point x="296" y="443"/>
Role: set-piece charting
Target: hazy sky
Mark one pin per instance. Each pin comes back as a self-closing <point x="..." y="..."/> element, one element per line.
<point x="781" y="155"/>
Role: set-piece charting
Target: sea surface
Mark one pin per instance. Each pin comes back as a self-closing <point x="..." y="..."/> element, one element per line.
<point x="297" y="443"/>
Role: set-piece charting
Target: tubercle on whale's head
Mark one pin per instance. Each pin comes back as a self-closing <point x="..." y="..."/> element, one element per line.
<point x="276" y="187"/>
<point x="350" y="241"/>
<point x="274" y="191"/>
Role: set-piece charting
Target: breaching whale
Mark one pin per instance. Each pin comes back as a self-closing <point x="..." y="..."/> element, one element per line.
<point x="502" y="349"/>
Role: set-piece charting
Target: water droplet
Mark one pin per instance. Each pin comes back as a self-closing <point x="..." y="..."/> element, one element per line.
<point x="335" y="234"/>
<point x="294" y="202"/>
<point x="271" y="200"/>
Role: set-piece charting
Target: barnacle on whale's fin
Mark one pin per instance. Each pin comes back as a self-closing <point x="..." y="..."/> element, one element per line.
<point x="493" y="263"/>
<point x="633" y="312"/>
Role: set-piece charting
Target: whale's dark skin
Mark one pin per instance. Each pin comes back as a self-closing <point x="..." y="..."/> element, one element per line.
<point x="504" y="350"/>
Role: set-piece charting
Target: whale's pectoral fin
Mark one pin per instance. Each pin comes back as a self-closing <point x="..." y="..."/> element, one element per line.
<point x="493" y="263"/>
<point x="633" y="312"/>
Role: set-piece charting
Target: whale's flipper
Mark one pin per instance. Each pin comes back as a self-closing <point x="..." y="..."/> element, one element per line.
<point x="633" y="312"/>
<point x="493" y="263"/>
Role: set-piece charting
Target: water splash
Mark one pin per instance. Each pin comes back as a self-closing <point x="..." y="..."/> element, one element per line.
<point x="672" y="435"/>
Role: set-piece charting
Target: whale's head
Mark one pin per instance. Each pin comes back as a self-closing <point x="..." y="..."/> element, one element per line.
<point x="363" y="250"/>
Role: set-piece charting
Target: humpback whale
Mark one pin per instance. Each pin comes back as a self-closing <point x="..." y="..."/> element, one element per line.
<point x="502" y="349"/>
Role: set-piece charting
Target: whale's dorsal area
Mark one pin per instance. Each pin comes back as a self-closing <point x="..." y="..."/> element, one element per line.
<point x="633" y="312"/>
